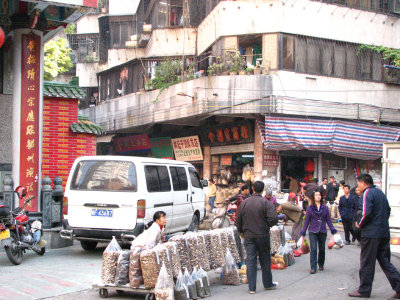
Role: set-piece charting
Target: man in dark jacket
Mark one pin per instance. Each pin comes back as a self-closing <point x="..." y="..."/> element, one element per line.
<point x="255" y="217"/>
<point x="346" y="209"/>
<point x="332" y="189"/>
<point x="375" y="237"/>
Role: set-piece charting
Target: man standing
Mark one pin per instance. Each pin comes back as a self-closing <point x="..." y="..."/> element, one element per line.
<point x="332" y="189"/>
<point x="346" y="209"/>
<point x="310" y="188"/>
<point x="293" y="185"/>
<point x="375" y="237"/>
<point x="256" y="216"/>
<point x="323" y="187"/>
<point x="212" y="193"/>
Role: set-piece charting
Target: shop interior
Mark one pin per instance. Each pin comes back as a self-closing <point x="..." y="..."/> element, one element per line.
<point x="297" y="167"/>
<point x="227" y="169"/>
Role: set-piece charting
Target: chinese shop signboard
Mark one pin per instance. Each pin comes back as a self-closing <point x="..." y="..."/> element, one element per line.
<point x="132" y="143"/>
<point x="30" y="99"/>
<point x="226" y="160"/>
<point x="187" y="148"/>
<point x="271" y="160"/>
<point x="235" y="133"/>
<point x="162" y="148"/>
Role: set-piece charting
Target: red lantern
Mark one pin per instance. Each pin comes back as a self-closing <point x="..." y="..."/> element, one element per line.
<point x="2" y="37"/>
<point x="309" y="166"/>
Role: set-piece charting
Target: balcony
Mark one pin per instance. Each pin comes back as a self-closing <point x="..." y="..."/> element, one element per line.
<point x="280" y="92"/>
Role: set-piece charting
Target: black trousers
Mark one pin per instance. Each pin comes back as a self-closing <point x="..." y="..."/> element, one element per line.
<point x="348" y="228"/>
<point x="258" y="247"/>
<point x="372" y="250"/>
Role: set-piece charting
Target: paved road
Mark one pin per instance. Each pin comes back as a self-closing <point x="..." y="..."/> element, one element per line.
<point x="69" y="273"/>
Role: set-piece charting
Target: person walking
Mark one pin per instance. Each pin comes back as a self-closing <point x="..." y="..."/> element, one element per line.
<point x="294" y="213"/>
<point x="212" y="193"/>
<point x="332" y="189"/>
<point x="346" y="209"/>
<point x="375" y="238"/>
<point x="340" y="193"/>
<point x="255" y="217"/>
<point x="317" y="217"/>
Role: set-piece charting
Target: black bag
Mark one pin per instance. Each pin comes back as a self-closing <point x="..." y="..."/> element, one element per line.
<point x="4" y="209"/>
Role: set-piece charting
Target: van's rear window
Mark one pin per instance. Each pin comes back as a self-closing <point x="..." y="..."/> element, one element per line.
<point x="100" y="175"/>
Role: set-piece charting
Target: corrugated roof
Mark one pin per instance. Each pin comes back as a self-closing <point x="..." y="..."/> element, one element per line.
<point x="62" y="90"/>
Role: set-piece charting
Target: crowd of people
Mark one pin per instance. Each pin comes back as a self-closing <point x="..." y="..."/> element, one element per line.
<point x="364" y="211"/>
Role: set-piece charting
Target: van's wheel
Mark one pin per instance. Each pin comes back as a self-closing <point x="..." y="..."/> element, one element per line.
<point x="89" y="245"/>
<point x="120" y="292"/>
<point x="194" y="226"/>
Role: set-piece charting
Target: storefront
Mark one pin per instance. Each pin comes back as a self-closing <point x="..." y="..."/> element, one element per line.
<point x="230" y="148"/>
<point x="309" y="148"/>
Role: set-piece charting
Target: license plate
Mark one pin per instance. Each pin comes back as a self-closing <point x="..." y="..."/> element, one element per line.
<point x="5" y="234"/>
<point x="102" y="213"/>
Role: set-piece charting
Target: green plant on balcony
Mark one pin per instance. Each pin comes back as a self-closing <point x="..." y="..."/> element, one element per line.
<point x="167" y="74"/>
<point x="393" y="55"/>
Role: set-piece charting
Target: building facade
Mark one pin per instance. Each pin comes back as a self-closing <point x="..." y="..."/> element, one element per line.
<point x="237" y="65"/>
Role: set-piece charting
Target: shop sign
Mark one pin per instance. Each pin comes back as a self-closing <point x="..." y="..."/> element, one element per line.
<point x="162" y="148"/>
<point x="187" y="148"/>
<point x="226" y="160"/>
<point x="235" y="133"/>
<point x="271" y="160"/>
<point x="132" y="143"/>
<point x="30" y="101"/>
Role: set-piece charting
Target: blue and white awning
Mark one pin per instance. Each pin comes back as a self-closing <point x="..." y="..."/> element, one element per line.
<point x="343" y="138"/>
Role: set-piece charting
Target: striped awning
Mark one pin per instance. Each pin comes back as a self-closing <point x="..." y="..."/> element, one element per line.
<point x="344" y="138"/>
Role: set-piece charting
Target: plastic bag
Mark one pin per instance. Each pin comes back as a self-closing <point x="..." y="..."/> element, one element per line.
<point x="275" y="239"/>
<point x="217" y="251"/>
<point x="198" y="282"/>
<point x="305" y="248"/>
<point x="331" y="242"/>
<point x="288" y="237"/>
<point x="183" y="251"/>
<point x="165" y="286"/>
<point x="181" y="291"/>
<point x="282" y="234"/>
<point x="122" y="274"/>
<point x="174" y="256"/>
<point x="300" y="241"/>
<point x="206" y="283"/>
<point x="110" y="262"/>
<point x="188" y="281"/>
<point x="338" y="240"/>
<point x="232" y="245"/>
<point x="135" y="270"/>
<point x="230" y="275"/>
<point x="239" y="244"/>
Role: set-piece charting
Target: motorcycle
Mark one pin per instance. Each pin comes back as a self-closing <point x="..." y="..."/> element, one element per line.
<point x="18" y="233"/>
<point x="225" y="215"/>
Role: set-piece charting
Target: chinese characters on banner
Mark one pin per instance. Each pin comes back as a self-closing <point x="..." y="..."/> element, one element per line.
<point x="132" y="143"/>
<point x="226" y="160"/>
<point x="237" y="133"/>
<point x="162" y="148"/>
<point x="30" y="100"/>
<point x="187" y="148"/>
<point x="271" y="160"/>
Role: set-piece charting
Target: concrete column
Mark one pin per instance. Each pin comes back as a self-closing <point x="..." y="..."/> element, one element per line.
<point x="207" y="162"/>
<point x="16" y="120"/>
<point x="258" y="154"/>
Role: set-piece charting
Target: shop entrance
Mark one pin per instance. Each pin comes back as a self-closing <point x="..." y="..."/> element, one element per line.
<point x="229" y="168"/>
<point x="298" y="166"/>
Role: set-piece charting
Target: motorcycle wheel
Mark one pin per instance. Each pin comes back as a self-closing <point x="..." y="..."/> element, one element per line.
<point x="42" y="251"/>
<point x="14" y="253"/>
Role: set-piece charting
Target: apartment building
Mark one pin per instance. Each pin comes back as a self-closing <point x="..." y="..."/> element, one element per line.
<point x="268" y="88"/>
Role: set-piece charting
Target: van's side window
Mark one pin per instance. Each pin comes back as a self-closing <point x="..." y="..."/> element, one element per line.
<point x="194" y="178"/>
<point x="179" y="178"/>
<point x="157" y="179"/>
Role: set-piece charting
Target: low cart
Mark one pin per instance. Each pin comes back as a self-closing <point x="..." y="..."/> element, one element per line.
<point x="104" y="288"/>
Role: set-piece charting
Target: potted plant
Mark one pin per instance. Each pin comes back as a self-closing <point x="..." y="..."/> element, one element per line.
<point x="249" y="70"/>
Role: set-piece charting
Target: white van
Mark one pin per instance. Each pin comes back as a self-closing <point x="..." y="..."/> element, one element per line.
<point x="117" y="195"/>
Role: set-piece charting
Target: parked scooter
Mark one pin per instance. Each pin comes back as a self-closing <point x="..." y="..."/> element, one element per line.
<point x="17" y="232"/>
<point x="225" y="215"/>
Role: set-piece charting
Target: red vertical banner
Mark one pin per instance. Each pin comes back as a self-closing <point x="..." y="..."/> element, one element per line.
<point x="30" y="101"/>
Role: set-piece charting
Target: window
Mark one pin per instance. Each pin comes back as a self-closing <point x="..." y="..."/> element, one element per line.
<point x="194" y="178"/>
<point x="121" y="29"/>
<point x="107" y="176"/>
<point x="179" y="178"/>
<point x="157" y="179"/>
<point x="288" y="52"/>
<point x="331" y="58"/>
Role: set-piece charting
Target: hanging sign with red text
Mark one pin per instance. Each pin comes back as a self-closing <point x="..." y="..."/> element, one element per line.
<point x="229" y="134"/>
<point x="187" y="148"/>
<point x="30" y="101"/>
<point x="132" y="143"/>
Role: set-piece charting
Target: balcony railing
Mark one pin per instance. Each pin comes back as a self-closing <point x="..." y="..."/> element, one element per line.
<point x="379" y="6"/>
